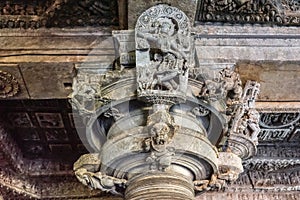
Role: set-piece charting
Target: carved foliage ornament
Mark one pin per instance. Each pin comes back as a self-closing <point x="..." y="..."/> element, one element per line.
<point x="9" y="86"/>
<point x="282" y="12"/>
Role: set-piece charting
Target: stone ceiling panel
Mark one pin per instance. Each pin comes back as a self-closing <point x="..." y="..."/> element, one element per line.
<point x="43" y="129"/>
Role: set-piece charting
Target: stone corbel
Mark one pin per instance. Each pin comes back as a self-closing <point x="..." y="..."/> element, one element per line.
<point x="87" y="172"/>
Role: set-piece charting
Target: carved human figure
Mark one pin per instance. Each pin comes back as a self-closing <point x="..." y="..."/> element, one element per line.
<point x="232" y="84"/>
<point x="164" y="36"/>
<point x="253" y="124"/>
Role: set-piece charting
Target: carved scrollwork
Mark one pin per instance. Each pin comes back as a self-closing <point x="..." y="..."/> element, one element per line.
<point x="9" y="86"/>
<point x="283" y="12"/>
<point x="278" y="120"/>
<point x="270" y="164"/>
<point x="244" y="123"/>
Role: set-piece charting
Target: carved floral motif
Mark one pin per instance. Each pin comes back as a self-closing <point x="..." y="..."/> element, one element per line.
<point x="9" y="86"/>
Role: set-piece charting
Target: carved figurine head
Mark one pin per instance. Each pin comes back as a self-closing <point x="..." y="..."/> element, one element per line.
<point x="165" y="26"/>
<point x="160" y="133"/>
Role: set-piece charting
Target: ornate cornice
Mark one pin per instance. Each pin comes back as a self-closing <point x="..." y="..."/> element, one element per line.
<point x="58" y="13"/>
<point x="284" y="12"/>
<point x="271" y="164"/>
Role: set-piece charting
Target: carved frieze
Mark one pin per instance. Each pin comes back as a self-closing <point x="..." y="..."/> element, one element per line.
<point x="267" y="165"/>
<point x="282" y="12"/>
<point x="9" y="86"/>
<point x="279" y="126"/>
<point x="280" y="181"/>
<point x="58" y="13"/>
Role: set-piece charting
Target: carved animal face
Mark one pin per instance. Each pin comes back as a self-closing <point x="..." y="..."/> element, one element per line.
<point x="160" y="133"/>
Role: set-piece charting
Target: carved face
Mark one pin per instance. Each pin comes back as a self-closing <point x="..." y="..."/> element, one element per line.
<point x="160" y="132"/>
<point x="166" y="26"/>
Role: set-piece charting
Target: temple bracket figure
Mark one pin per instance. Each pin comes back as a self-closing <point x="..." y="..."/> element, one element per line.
<point x="166" y="133"/>
<point x="87" y="172"/>
<point x="164" y="53"/>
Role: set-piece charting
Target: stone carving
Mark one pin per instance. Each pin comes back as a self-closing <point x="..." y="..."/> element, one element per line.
<point x="283" y="12"/>
<point x="113" y="112"/>
<point x="19" y="119"/>
<point x="267" y="165"/>
<point x="273" y="181"/>
<point x="161" y="129"/>
<point x="207" y="185"/>
<point x="243" y="123"/>
<point x="230" y="168"/>
<point x="84" y="13"/>
<point x="87" y="172"/>
<point x="267" y="135"/>
<point x="124" y="43"/>
<point x="158" y="140"/>
<point x="9" y="86"/>
<point x="200" y="111"/>
<point x="279" y="120"/>
<point x="287" y="150"/>
<point x="57" y="13"/>
<point x="164" y="52"/>
<point x="278" y="126"/>
<point x="232" y="85"/>
<point x="86" y="93"/>
<point x="227" y="85"/>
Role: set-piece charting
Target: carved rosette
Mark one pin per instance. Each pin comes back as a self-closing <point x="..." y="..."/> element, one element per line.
<point x="9" y="86"/>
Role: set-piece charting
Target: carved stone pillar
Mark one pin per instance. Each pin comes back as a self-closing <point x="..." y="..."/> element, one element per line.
<point x="163" y="127"/>
<point x="160" y="185"/>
